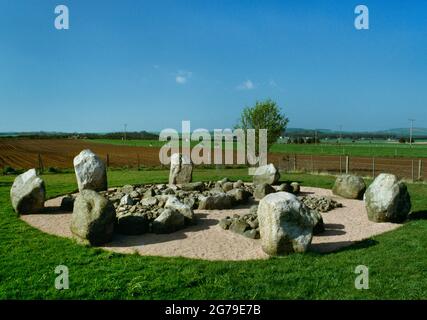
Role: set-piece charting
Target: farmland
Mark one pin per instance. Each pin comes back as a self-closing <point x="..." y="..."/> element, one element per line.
<point x="375" y="148"/>
<point x="59" y="153"/>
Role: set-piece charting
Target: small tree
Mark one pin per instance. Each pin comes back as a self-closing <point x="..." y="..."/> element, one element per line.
<point x="264" y="115"/>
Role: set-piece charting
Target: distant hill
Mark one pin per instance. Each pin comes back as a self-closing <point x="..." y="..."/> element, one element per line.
<point x="391" y="133"/>
<point x="395" y="133"/>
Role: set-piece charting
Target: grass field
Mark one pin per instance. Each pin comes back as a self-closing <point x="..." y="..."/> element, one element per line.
<point x="357" y="149"/>
<point x="397" y="260"/>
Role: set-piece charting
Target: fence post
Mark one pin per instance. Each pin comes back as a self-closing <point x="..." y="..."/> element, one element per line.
<point x="340" y="165"/>
<point x="295" y="162"/>
<point x="373" y="167"/>
<point x="420" y="168"/>
<point x="108" y="160"/>
<point x="347" y="164"/>
<point x="41" y="169"/>
<point x="138" y="160"/>
<point x="413" y="173"/>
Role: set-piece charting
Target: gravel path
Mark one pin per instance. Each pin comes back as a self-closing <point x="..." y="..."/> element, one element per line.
<point x="207" y="240"/>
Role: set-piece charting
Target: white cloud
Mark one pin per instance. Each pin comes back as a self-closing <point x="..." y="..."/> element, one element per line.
<point x="180" y="79"/>
<point x="182" y="76"/>
<point x="247" y="85"/>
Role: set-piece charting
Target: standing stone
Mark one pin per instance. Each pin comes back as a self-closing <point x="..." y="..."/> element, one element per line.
<point x="181" y="170"/>
<point x="28" y="193"/>
<point x="266" y="174"/>
<point x="349" y="186"/>
<point x="387" y="199"/>
<point x="286" y="225"/>
<point x="93" y="218"/>
<point x="90" y="171"/>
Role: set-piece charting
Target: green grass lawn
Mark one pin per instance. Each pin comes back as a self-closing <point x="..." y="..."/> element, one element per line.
<point x="361" y="149"/>
<point x="355" y="149"/>
<point x="397" y="260"/>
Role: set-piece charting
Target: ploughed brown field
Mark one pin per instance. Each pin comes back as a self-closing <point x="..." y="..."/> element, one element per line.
<point x="59" y="153"/>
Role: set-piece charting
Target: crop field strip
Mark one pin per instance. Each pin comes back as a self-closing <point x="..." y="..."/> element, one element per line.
<point x="59" y="153"/>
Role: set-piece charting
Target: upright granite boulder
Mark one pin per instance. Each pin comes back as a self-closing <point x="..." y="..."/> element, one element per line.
<point x="181" y="170"/>
<point x="286" y="225"/>
<point x="28" y="193"/>
<point x="90" y="171"/>
<point x="349" y="186"/>
<point x="387" y="199"/>
<point x="266" y="174"/>
<point x="93" y="218"/>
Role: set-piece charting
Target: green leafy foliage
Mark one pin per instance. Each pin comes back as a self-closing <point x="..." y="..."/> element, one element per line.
<point x="264" y="115"/>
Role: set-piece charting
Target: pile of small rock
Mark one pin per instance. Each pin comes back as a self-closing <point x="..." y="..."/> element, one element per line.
<point x="321" y="204"/>
<point x="246" y="225"/>
<point x="160" y="208"/>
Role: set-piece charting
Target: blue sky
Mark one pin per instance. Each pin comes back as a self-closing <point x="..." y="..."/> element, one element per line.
<point x="152" y="64"/>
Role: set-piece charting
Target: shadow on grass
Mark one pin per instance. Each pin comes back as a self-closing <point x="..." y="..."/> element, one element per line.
<point x="342" y="246"/>
<point x="418" y="215"/>
<point x="6" y="184"/>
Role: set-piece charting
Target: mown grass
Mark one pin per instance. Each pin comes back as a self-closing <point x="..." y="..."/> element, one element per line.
<point x="356" y="149"/>
<point x="397" y="260"/>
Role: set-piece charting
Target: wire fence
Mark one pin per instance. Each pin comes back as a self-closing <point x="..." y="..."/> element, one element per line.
<point x="406" y="168"/>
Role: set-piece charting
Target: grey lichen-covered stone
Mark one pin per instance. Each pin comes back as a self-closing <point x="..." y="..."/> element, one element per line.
<point x="90" y="171"/>
<point x="225" y="223"/>
<point x="169" y="221"/>
<point x="349" y="186"/>
<point x="321" y="204"/>
<point x="227" y="186"/>
<point x="193" y="186"/>
<point x="263" y="189"/>
<point x="126" y="200"/>
<point x="387" y="199"/>
<point x="181" y="169"/>
<point x="149" y="202"/>
<point x="296" y="188"/>
<point x="238" y="184"/>
<point x="174" y="204"/>
<point x="240" y="196"/>
<point x="28" y="193"/>
<point x="93" y="218"/>
<point x="285" y="187"/>
<point x="132" y="223"/>
<point x="266" y="174"/>
<point x="127" y="189"/>
<point x="239" y="226"/>
<point x="286" y="225"/>
<point x="216" y="202"/>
